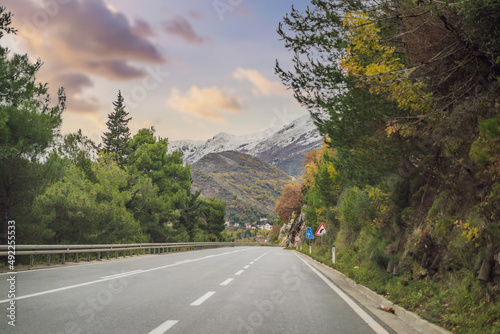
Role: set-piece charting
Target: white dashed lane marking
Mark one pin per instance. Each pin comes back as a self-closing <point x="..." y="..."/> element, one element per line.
<point x="226" y="282"/>
<point x="203" y="298"/>
<point x="164" y="327"/>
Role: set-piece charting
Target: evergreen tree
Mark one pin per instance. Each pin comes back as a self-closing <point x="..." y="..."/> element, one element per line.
<point x="116" y="141"/>
<point x="28" y="125"/>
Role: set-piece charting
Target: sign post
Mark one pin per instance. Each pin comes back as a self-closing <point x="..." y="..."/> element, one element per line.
<point x="333" y="254"/>
<point x="309" y="236"/>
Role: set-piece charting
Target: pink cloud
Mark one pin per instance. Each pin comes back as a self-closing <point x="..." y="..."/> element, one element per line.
<point x="180" y="27"/>
<point x="142" y="29"/>
<point x="207" y="103"/>
<point x="263" y="85"/>
<point x="82" y="38"/>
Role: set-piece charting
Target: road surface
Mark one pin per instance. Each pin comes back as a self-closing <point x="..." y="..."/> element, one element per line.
<point x="227" y="290"/>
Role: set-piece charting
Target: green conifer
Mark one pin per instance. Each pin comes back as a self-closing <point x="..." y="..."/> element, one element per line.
<point x="116" y="140"/>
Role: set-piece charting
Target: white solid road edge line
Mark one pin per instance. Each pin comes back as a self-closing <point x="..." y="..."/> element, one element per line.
<point x="369" y="320"/>
<point x="164" y="327"/>
<point x="203" y="298"/>
<point x="226" y="282"/>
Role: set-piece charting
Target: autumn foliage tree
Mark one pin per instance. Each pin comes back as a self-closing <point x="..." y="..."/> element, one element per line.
<point x="406" y="93"/>
<point x="290" y="202"/>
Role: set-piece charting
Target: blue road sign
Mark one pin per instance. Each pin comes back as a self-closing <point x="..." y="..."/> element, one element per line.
<point x="309" y="233"/>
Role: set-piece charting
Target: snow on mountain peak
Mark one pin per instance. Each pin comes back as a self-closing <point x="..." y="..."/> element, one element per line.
<point x="275" y="147"/>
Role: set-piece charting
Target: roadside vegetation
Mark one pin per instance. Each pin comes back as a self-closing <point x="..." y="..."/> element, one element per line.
<point x="407" y="183"/>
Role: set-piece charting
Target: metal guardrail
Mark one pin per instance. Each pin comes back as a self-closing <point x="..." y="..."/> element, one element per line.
<point x="155" y="248"/>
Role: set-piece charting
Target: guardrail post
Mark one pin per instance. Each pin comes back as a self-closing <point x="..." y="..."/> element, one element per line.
<point x="88" y="256"/>
<point x="63" y="258"/>
<point x="31" y="259"/>
<point x="98" y="256"/>
<point x="76" y="257"/>
<point x="48" y="259"/>
<point x="107" y="255"/>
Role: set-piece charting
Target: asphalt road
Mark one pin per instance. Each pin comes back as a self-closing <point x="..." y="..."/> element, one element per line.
<point x="228" y="290"/>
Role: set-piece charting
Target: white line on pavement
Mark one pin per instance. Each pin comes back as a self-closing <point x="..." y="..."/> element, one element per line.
<point x="123" y="274"/>
<point x="226" y="282"/>
<point x="369" y="320"/>
<point x="108" y="279"/>
<point x="239" y="272"/>
<point x="203" y="298"/>
<point x="246" y="267"/>
<point x="164" y="327"/>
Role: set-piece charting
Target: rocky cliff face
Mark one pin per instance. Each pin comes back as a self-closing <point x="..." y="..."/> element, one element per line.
<point x="289" y="231"/>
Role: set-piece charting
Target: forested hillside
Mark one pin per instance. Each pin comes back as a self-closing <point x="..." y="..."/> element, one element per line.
<point x="249" y="186"/>
<point x="406" y="94"/>
<point x="68" y="190"/>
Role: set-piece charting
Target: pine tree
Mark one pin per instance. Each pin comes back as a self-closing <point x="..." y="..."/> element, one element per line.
<point x="117" y="139"/>
<point x="28" y="126"/>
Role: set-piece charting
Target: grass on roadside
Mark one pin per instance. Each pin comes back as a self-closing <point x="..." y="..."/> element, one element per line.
<point x="462" y="304"/>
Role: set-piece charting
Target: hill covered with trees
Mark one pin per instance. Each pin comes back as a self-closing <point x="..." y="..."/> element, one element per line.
<point x="249" y="186"/>
<point x="406" y="95"/>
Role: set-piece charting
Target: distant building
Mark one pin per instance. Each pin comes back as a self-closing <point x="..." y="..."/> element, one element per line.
<point x="267" y="226"/>
<point x="236" y="224"/>
<point x="263" y="219"/>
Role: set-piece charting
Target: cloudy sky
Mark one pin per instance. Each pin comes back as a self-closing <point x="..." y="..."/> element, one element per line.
<point x="190" y="68"/>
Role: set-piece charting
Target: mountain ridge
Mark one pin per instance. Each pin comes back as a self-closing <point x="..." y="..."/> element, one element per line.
<point x="284" y="148"/>
<point x="249" y="186"/>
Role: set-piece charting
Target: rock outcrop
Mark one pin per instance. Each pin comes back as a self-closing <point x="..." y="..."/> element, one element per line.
<point x="288" y="232"/>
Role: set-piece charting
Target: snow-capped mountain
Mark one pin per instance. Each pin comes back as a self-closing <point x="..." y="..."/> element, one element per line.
<point x="284" y="148"/>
